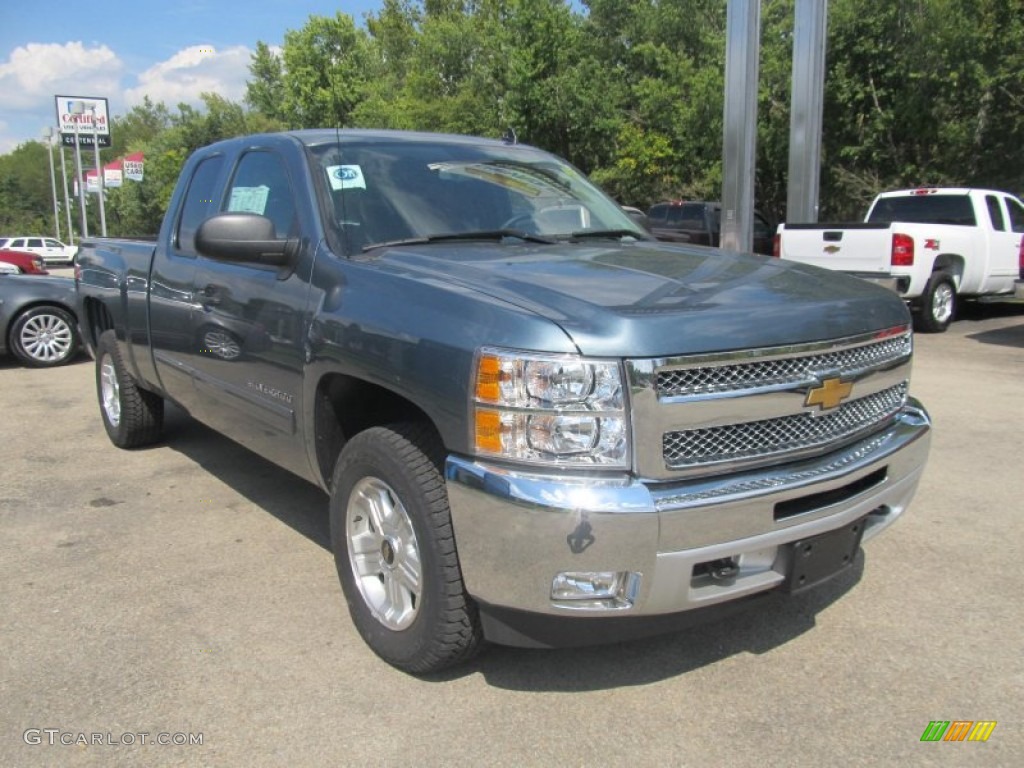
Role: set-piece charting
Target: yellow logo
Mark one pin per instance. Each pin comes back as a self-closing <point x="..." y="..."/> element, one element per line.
<point x="830" y="394"/>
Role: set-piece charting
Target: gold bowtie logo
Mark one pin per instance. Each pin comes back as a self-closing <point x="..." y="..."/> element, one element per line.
<point x="830" y="394"/>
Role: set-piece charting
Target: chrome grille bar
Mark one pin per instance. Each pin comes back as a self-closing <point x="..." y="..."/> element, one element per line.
<point x="789" y="434"/>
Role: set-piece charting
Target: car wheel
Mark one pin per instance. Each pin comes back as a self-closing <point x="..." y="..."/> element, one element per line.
<point x="132" y="416"/>
<point x="395" y="550"/>
<point x="938" y="303"/>
<point x="44" y="337"/>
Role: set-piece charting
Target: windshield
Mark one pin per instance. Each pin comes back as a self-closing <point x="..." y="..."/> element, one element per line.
<point x="390" y="191"/>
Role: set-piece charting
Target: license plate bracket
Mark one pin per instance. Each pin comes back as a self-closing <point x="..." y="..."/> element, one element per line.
<point x="819" y="558"/>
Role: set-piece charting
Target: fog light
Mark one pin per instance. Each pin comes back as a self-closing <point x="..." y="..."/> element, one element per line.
<point x="595" y="590"/>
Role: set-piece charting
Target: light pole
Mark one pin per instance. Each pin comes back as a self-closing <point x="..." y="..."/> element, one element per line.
<point x="99" y="171"/>
<point x="77" y="109"/>
<point x="48" y="135"/>
<point x="67" y="200"/>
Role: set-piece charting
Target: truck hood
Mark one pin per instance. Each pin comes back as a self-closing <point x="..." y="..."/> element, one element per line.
<point x="649" y="299"/>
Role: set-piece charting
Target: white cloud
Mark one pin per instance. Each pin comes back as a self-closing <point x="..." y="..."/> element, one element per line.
<point x="36" y="71"/>
<point x="192" y="71"/>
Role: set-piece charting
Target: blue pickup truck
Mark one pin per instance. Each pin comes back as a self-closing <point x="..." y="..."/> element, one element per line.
<point x="536" y="425"/>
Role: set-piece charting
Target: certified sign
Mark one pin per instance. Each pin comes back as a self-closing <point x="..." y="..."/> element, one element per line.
<point x="85" y="123"/>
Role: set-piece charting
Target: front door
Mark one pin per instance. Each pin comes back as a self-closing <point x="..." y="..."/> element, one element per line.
<point x="249" y="325"/>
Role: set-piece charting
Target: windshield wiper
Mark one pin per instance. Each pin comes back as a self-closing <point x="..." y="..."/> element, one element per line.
<point x="584" y="234"/>
<point x="483" y="234"/>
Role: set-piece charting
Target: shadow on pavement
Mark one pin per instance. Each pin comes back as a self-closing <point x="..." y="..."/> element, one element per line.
<point x="295" y="502"/>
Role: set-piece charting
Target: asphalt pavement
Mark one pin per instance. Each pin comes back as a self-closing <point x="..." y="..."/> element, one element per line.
<point x="186" y="593"/>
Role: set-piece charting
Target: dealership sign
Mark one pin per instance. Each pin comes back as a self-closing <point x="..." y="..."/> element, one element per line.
<point x="68" y="121"/>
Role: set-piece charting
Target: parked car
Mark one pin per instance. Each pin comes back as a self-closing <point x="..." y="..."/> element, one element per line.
<point x="538" y="425"/>
<point x="700" y="223"/>
<point x="52" y="250"/>
<point x="931" y="245"/>
<point x="26" y="263"/>
<point x="38" y="320"/>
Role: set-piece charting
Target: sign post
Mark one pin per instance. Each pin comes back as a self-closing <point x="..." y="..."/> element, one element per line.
<point x="77" y="109"/>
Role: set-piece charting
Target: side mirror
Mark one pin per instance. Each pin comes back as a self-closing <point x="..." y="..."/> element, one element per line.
<point x="245" y="237"/>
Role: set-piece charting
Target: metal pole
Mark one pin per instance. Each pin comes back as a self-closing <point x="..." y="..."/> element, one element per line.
<point x="99" y="173"/>
<point x="742" y="48"/>
<point x="48" y="135"/>
<point x="67" y="200"/>
<point x="806" y="112"/>
<point x="78" y="109"/>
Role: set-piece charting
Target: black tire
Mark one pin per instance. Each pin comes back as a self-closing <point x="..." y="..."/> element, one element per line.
<point x="44" y="337"/>
<point x="132" y="416"/>
<point x="389" y="514"/>
<point x="937" y="305"/>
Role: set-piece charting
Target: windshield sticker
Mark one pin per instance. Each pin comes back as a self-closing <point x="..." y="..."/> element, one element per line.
<point x="249" y="200"/>
<point x="346" y="177"/>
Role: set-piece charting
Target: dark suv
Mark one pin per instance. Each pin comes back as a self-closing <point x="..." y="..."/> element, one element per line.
<point x="701" y="223"/>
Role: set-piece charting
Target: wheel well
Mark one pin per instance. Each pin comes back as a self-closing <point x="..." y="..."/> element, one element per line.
<point x="345" y="406"/>
<point x="97" y="320"/>
<point x="951" y="263"/>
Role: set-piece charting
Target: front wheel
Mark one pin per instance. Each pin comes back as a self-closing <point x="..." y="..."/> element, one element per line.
<point x="938" y="303"/>
<point x="395" y="550"/>
<point x="132" y="416"/>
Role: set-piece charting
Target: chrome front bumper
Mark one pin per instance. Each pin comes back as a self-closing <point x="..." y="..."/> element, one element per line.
<point x="517" y="531"/>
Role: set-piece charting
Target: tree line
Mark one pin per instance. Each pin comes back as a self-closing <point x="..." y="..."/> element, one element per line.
<point x="630" y="91"/>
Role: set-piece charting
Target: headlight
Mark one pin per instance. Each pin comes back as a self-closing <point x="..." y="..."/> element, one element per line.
<point x="549" y="409"/>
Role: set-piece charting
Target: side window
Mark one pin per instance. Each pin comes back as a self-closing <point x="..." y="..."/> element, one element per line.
<point x="18" y="242"/>
<point x="761" y="228"/>
<point x="1016" y="215"/>
<point x="995" y="213"/>
<point x="52" y="243"/>
<point x="657" y="213"/>
<point x="261" y="185"/>
<point x="675" y="215"/>
<point x="198" y="205"/>
<point x="35" y="242"/>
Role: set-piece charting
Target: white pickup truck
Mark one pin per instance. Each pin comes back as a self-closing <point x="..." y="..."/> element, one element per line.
<point x="930" y="245"/>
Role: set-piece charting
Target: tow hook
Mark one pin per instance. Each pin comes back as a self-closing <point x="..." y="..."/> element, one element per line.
<point x="723" y="569"/>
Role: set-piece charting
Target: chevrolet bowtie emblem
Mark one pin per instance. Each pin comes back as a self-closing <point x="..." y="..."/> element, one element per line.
<point x="830" y="394"/>
<point x="830" y="249"/>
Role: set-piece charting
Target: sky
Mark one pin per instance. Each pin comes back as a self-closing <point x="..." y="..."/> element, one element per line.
<point x="170" y="50"/>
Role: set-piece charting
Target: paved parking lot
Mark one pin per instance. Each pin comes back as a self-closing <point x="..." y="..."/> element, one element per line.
<point x="187" y="591"/>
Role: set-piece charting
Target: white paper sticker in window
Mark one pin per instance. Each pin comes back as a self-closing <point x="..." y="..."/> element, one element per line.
<point x="346" y="177"/>
<point x="249" y="200"/>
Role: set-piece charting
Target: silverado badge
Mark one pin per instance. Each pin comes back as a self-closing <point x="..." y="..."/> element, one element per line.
<point x="830" y="394"/>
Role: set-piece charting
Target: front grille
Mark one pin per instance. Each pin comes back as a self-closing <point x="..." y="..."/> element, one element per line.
<point x="788" y="434"/>
<point x="707" y="379"/>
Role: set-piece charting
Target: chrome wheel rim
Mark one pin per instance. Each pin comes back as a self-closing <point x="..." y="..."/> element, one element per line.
<point x="384" y="553"/>
<point x="942" y="302"/>
<point x="46" y="338"/>
<point x="222" y="345"/>
<point x="110" y="391"/>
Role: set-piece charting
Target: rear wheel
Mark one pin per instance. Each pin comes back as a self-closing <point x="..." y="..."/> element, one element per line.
<point x="44" y="337"/>
<point x="395" y="550"/>
<point x="938" y="303"/>
<point x="132" y="416"/>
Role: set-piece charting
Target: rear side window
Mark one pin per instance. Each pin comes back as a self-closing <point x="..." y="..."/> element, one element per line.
<point x="658" y="213"/>
<point x="198" y="205"/>
<point x="925" y="209"/>
<point x="35" y="242"/>
<point x="1016" y="211"/>
<point x="995" y="213"/>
